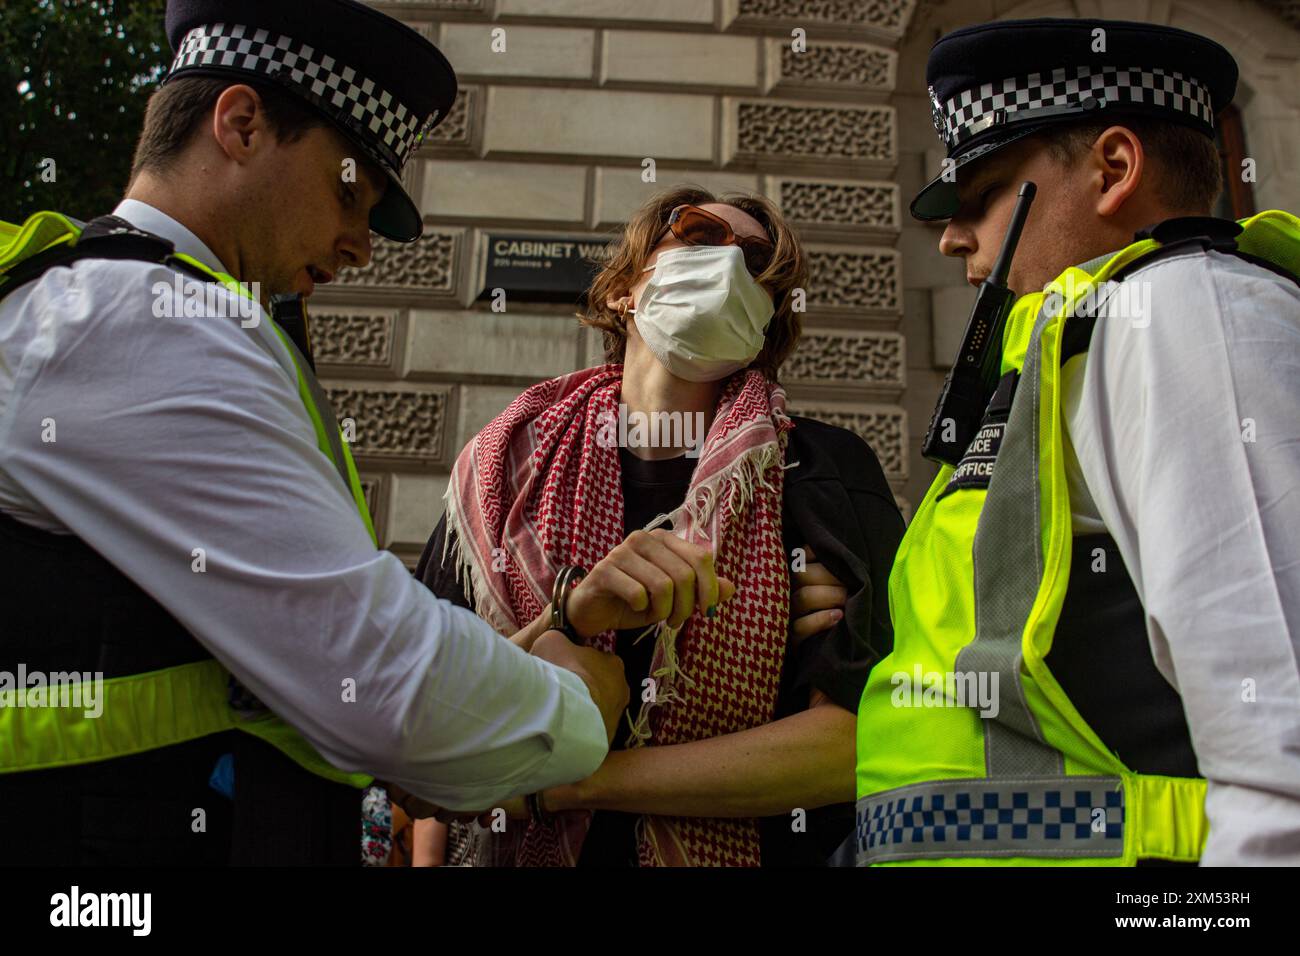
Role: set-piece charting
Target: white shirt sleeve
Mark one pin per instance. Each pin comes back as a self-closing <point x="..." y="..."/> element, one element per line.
<point x="1187" y="431"/>
<point x="178" y="434"/>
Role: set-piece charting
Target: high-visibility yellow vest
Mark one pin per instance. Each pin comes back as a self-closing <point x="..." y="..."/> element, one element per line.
<point x="977" y="587"/>
<point x="160" y="708"/>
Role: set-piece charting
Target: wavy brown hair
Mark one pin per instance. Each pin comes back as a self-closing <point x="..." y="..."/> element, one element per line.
<point x="628" y="254"/>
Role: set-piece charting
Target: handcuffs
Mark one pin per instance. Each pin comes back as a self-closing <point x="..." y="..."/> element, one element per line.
<point x="565" y="582"/>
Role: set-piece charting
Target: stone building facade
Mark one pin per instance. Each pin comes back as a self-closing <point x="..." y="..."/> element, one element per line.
<point x="561" y="104"/>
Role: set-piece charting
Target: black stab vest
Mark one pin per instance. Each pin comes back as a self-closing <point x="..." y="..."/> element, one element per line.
<point x="66" y="608"/>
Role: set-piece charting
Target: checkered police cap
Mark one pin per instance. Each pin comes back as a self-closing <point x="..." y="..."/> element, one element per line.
<point x="357" y="101"/>
<point x="380" y="83"/>
<point x="1035" y="97"/>
<point x="995" y="83"/>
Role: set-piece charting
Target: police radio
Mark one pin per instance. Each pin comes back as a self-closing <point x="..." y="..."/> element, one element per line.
<point x="974" y="375"/>
<point x="290" y="313"/>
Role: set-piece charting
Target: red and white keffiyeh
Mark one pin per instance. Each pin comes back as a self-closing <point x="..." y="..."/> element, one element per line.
<point x="539" y="488"/>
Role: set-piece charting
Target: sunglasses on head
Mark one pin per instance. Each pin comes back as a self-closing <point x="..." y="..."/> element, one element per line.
<point x="698" y="227"/>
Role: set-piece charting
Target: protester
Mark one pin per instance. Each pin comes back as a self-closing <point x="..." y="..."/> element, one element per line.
<point x="738" y="747"/>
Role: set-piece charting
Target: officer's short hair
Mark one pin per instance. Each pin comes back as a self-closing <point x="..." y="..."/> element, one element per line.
<point x="1190" y="169"/>
<point x="177" y="109"/>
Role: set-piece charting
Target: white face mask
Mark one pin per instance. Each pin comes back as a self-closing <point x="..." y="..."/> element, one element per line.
<point x="702" y="314"/>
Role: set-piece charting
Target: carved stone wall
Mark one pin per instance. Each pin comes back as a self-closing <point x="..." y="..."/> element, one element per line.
<point x="884" y="428"/>
<point x="852" y="65"/>
<point x="864" y="282"/>
<point x="457" y="130"/>
<point x="424" y="267"/>
<point x="404" y="427"/>
<point x="354" y="337"/>
<point x="835" y="358"/>
<point x="847" y="205"/>
<point x="550" y="136"/>
<point x="885" y="17"/>
<point x="783" y="131"/>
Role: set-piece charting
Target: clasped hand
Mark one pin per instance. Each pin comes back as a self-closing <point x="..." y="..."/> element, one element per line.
<point x="651" y="576"/>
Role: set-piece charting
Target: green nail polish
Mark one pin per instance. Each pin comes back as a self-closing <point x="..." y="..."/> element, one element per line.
<point x="711" y="610"/>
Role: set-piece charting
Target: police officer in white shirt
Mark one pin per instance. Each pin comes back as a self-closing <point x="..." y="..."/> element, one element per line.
<point x="1179" y="635"/>
<point x="167" y="497"/>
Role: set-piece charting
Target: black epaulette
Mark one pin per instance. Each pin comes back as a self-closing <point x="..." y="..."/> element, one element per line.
<point x="107" y="237"/>
<point x="111" y="237"/>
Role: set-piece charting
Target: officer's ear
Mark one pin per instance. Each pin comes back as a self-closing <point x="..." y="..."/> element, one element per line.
<point x="1116" y="166"/>
<point x="238" y="120"/>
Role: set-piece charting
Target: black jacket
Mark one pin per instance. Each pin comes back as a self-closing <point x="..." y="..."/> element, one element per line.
<point x="836" y="502"/>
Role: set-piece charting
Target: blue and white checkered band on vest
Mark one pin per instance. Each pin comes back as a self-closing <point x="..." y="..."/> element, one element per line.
<point x="1041" y="95"/>
<point x="357" y="102"/>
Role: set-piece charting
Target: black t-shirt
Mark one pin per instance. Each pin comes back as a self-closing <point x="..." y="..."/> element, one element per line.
<point x="837" y="502"/>
<point x="650" y="488"/>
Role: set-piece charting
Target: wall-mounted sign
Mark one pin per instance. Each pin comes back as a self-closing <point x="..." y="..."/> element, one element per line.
<point x="540" y="268"/>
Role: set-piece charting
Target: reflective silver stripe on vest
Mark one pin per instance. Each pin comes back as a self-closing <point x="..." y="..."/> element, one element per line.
<point x="1027" y="806"/>
<point x="1032" y="817"/>
<point x="1008" y="566"/>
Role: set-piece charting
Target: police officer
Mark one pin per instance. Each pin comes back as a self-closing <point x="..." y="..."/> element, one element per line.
<point x="177" y="505"/>
<point x="1097" y="604"/>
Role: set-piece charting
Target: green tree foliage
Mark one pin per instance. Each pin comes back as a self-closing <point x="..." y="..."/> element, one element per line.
<point x="76" y="75"/>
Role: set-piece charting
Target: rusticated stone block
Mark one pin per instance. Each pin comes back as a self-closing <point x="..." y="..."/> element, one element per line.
<point x="455" y="134"/>
<point x="767" y="129"/>
<point x="427" y="265"/>
<point x="532" y="52"/>
<point x="620" y="192"/>
<point x="572" y="122"/>
<point x="883" y="427"/>
<point x="479" y="344"/>
<point x="406" y="425"/>
<point x="888" y="18"/>
<point x="362" y="337"/>
<point x="854" y="280"/>
<point x="477" y="189"/>
<point x="842" y="357"/>
<point x="837" y="204"/>
<point x="693" y="12"/>
<point x="703" y="59"/>
<point x="832" y="66"/>
<point x="414" y="507"/>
